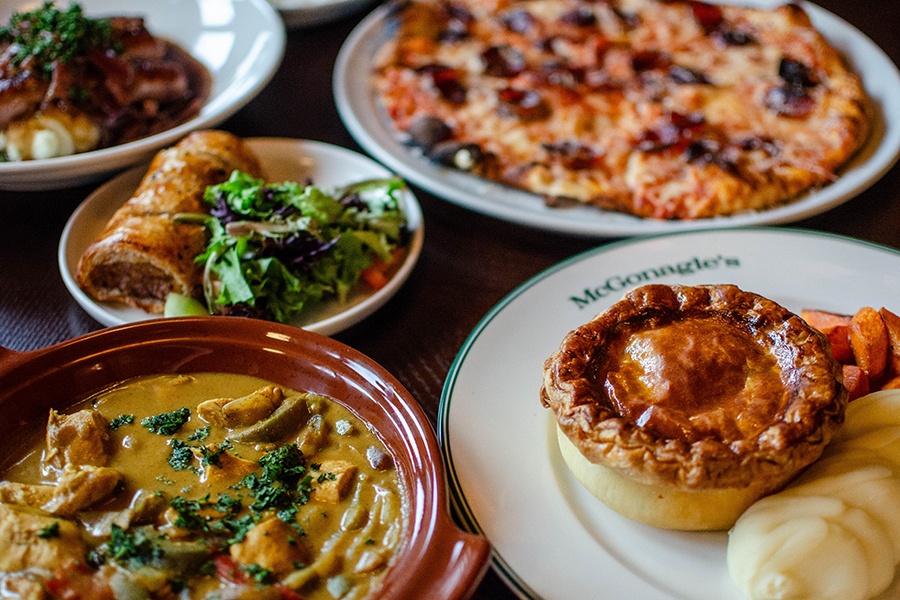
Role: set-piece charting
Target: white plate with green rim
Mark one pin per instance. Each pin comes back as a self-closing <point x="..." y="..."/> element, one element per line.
<point x="551" y="538"/>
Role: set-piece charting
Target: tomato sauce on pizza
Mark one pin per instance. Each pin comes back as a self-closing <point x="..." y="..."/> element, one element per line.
<point x="661" y="109"/>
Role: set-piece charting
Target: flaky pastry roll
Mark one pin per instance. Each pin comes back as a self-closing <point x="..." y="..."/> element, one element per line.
<point x="143" y="254"/>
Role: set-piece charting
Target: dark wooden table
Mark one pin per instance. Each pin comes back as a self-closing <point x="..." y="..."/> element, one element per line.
<point x="469" y="262"/>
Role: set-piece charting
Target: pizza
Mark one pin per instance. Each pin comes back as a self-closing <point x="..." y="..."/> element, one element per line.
<point x="661" y="109"/>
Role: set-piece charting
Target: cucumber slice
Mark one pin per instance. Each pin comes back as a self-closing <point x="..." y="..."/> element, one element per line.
<point x="178" y="305"/>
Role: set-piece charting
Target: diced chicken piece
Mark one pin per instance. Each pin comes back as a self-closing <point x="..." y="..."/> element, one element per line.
<point x="78" y="488"/>
<point x="82" y="487"/>
<point x="240" y="412"/>
<point x="274" y="545"/>
<point x="81" y="438"/>
<point x="30" y="539"/>
<point x="228" y="469"/>
<point x="379" y="459"/>
<point x="145" y="507"/>
<point x="24" y="494"/>
<point x="23" y="585"/>
<point x="332" y="488"/>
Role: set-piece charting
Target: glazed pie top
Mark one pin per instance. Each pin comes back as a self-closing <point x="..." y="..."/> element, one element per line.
<point x="705" y="386"/>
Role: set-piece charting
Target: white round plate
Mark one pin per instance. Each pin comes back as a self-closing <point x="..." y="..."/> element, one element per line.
<point x="283" y="160"/>
<point x="300" y="14"/>
<point x="366" y="121"/>
<point x="551" y="538"/>
<point x="241" y="43"/>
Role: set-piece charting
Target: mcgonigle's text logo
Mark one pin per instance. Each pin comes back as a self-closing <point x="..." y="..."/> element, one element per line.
<point x="618" y="284"/>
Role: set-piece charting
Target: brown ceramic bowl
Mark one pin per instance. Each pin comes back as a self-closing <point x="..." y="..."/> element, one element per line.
<point x="435" y="560"/>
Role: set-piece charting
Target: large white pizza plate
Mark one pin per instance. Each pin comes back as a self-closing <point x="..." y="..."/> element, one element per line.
<point x="551" y="538"/>
<point x="367" y="123"/>
<point x="325" y="165"/>
<point x="240" y="42"/>
<point x="301" y="14"/>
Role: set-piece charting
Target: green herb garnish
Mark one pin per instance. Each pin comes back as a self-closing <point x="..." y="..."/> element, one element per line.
<point x="213" y="457"/>
<point x="167" y="423"/>
<point x="50" y="531"/>
<point x="120" y="421"/>
<point x="188" y="514"/>
<point x="283" y="483"/>
<point x="258" y="573"/>
<point x="199" y="435"/>
<point x="182" y="456"/>
<point x="134" y="548"/>
<point x="48" y="34"/>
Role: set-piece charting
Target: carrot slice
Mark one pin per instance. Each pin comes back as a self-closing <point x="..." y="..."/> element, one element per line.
<point x="836" y="328"/>
<point x="374" y="278"/>
<point x="870" y="342"/>
<point x="856" y="381"/>
<point x="824" y="320"/>
<point x="892" y="323"/>
<point x="377" y="274"/>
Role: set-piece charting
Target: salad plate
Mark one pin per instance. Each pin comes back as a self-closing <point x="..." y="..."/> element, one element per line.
<point x="551" y="538"/>
<point x="240" y="42"/>
<point x="283" y="159"/>
<point x="365" y="119"/>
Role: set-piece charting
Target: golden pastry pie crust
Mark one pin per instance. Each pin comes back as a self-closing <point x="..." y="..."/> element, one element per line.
<point x="696" y="388"/>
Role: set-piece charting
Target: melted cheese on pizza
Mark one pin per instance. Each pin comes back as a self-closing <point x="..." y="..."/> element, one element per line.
<point x="672" y="110"/>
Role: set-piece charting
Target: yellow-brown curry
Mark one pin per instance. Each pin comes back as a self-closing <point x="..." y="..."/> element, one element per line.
<point x="214" y="486"/>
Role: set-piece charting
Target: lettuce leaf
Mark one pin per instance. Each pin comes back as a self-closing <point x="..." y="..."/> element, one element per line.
<point x="275" y="248"/>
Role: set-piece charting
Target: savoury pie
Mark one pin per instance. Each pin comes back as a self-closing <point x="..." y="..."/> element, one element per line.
<point x="679" y="406"/>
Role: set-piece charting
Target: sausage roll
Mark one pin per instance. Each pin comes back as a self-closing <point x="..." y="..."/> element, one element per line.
<point x="143" y="254"/>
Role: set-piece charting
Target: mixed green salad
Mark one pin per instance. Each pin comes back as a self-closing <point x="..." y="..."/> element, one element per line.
<point x="275" y="248"/>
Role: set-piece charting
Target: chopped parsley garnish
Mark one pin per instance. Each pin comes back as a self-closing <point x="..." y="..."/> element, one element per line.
<point x="134" y="548"/>
<point x="199" y="434"/>
<point x="284" y="464"/>
<point x="194" y="516"/>
<point x="258" y="573"/>
<point x="188" y="514"/>
<point x="240" y="527"/>
<point x="284" y="480"/>
<point x="323" y="477"/>
<point x="167" y="423"/>
<point x="181" y="456"/>
<point x="120" y="421"/>
<point x="50" y="531"/>
<point x="281" y="485"/>
<point x="213" y="457"/>
<point x="227" y="504"/>
<point x="52" y="35"/>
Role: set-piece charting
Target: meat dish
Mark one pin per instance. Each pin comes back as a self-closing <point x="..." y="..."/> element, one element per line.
<point x="70" y="83"/>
